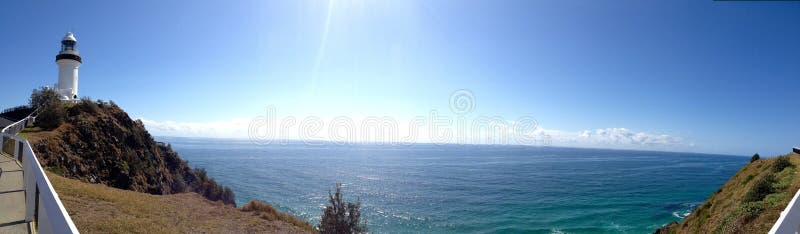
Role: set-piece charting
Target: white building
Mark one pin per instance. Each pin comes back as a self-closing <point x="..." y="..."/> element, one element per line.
<point x="68" y="60"/>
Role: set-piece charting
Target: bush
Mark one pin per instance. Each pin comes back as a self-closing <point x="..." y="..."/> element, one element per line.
<point x="89" y="106"/>
<point x="751" y="210"/>
<point x="43" y="96"/>
<point x="781" y="163"/>
<point x="339" y="217"/>
<point x="51" y="110"/>
<point x="760" y="189"/>
<point x="755" y="157"/>
<point x="210" y="189"/>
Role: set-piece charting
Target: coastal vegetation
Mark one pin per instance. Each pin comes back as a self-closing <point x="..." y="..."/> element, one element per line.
<point x="755" y="157"/>
<point x="750" y="202"/>
<point x="51" y="110"/>
<point x="340" y="216"/>
<point x="96" y="142"/>
<point x="114" y="177"/>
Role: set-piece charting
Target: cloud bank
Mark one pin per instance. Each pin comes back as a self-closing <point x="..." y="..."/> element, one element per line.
<point x="617" y="138"/>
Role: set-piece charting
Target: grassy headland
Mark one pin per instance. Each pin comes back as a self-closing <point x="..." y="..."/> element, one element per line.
<point x="113" y="177"/>
<point x="749" y="202"/>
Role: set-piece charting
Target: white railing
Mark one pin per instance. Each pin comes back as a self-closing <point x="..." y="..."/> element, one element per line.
<point x="42" y="205"/>
<point x="789" y="222"/>
<point x="17" y="127"/>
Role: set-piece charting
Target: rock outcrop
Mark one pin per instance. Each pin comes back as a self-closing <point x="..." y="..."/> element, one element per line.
<point x="100" y="143"/>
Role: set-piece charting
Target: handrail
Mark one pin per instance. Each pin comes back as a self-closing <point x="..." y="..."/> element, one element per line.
<point x="17" y="127"/>
<point x="789" y="222"/>
<point x="42" y="205"/>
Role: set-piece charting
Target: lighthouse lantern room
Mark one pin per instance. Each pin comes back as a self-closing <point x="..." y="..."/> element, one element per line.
<point x="68" y="60"/>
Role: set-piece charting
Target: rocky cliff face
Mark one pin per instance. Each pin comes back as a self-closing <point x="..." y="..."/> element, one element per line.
<point x="100" y="143"/>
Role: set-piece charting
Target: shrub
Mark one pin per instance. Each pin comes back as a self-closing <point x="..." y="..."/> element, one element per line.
<point x="781" y="163"/>
<point x="755" y="158"/>
<point x="89" y="106"/>
<point x="209" y="188"/>
<point x="43" y="96"/>
<point x="50" y="117"/>
<point x="750" y="210"/>
<point x="51" y="111"/>
<point x="760" y="189"/>
<point x="339" y="217"/>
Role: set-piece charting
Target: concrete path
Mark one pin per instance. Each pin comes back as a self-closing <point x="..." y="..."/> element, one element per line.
<point x="12" y="197"/>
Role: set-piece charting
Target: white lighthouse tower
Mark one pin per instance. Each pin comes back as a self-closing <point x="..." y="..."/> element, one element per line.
<point x="68" y="60"/>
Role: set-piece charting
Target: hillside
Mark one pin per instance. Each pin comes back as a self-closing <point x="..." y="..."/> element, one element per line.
<point x="749" y="202"/>
<point x="97" y="208"/>
<point x="113" y="177"/>
<point x="99" y="143"/>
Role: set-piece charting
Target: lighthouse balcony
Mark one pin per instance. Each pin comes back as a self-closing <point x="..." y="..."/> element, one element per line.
<point x="69" y="56"/>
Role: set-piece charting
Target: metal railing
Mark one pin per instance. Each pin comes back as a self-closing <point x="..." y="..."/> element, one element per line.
<point x="42" y="206"/>
<point x="17" y="127"/>
<point x="789" y="222"/>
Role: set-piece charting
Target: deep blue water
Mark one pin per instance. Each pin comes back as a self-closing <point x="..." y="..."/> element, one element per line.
<point x="470" y="189"/>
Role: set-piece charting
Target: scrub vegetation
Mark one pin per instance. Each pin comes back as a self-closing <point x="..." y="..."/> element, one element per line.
<point x="98" y="143"/>
<point x="750" y="202"/>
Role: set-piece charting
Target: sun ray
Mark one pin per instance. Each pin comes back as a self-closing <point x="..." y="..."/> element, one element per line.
<point x="322" y="47"/>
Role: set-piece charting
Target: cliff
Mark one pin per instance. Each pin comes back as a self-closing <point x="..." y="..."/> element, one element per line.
<point x="112" y="176"/>
<point x="749" y="202"/>
<point x="99" y="143"/>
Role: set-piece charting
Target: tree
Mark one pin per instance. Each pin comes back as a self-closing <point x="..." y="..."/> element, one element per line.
<point x="755" y="158"/>
<point x="340" y="217"/>
<point x="51" y="110"/>
<point x="42" y="96"/>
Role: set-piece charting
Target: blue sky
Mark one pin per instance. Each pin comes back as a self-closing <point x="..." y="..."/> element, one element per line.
<point x="718" y="77"/>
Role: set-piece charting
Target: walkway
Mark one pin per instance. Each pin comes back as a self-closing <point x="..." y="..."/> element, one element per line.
<point x="12" y="197"/>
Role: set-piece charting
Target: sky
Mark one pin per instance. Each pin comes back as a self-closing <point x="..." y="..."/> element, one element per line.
<point x="697" y="76"/>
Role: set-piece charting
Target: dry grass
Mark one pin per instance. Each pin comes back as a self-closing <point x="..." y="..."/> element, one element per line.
<point x="729" y="211"/>
<point x="97" y="208"/>
<point x="265" y="211"/>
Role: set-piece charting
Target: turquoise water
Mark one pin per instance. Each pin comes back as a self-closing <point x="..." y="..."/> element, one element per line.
<point x="470" y="189"/>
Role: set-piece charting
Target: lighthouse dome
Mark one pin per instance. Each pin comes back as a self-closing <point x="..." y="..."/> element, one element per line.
<point x="69" y="37"/>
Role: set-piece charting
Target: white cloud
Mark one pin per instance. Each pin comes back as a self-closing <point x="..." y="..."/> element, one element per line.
<point x="234" y="128"/>
<point x="619" y="138"/>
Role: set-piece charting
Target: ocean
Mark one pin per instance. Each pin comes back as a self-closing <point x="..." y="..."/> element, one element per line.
<point x="469" y="188"/>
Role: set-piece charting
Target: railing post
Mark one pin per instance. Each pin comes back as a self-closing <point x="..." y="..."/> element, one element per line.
<point x="30" y="186"/>
<point x="13" y="149"/>
<point x="19" y="152"/>
<point x="36" y="207"/>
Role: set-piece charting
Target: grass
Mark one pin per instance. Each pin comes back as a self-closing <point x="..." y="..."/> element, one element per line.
<point x="265" y="211"/>
<point x="96" y="208"/>
<point x="750" y="201"/>
<point x="748" y="178"/>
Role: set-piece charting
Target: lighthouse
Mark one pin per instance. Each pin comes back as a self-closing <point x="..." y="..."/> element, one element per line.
<point x="68" y="60"/>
